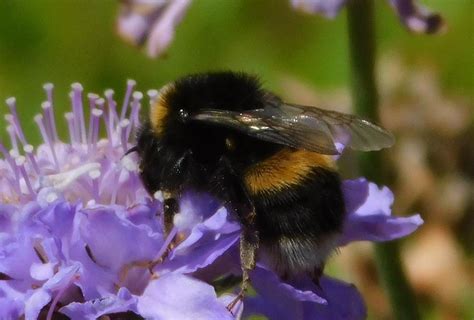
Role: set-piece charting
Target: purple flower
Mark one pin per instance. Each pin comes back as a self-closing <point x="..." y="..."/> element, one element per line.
<point x="80" y="236"/>
<point x="151" y="23"/>
<point x="414" y="16"/>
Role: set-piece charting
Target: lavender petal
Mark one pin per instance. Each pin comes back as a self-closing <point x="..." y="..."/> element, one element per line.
<point x="93" y="309"/>
<point x="175" y="296"/>
<point x="416" y="17"/>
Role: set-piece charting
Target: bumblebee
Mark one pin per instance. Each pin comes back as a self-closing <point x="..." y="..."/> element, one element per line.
<point x="269" y="162"/>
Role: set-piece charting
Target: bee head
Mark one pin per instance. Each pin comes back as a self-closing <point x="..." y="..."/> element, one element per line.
<point x="178" y="101"/>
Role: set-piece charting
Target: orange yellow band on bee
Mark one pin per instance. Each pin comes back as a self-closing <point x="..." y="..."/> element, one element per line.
<point x="159" y="111"/>
<point x="284" y="169"/>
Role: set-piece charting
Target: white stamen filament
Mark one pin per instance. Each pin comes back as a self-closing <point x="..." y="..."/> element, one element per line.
<point x="40" y="122"/>
<point x="62" y="180"/>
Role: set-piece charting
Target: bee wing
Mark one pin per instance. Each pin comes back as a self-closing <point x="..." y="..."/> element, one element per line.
<point x="302" y="127"/>
<point x="352" y="131"/>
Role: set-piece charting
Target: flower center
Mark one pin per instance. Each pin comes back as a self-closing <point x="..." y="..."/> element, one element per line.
<point x="87" y="167"/>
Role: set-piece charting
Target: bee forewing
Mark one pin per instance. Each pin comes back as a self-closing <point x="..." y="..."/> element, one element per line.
<point x="302" y="127"/>
<point x="352" y="131"/>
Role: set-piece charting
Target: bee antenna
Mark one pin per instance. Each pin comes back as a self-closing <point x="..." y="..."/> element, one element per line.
<point x="132" y="149"/>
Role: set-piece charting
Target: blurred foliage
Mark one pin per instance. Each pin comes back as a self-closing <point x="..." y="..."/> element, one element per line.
<point x="64" y="41"/>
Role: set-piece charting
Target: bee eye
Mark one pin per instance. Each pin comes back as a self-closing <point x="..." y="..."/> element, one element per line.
<point x="183" y="114"/>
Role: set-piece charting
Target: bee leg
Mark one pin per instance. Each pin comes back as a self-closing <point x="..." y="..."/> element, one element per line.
<point x="240" y="201"/>
<point x="249" y="242"/>
<point x="170" y="208"/>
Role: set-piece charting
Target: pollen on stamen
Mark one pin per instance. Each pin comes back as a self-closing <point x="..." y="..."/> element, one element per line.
<point x="40" y="122"/>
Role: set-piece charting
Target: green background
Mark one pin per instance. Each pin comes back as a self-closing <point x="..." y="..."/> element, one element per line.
<point x="63" y="41"/>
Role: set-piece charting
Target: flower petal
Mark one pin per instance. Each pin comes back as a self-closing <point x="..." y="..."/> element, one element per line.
<point x="35" y="303"/>
<point x="328" y="8"/>
<point x="122" y="302"/>
<point x="416" y="17"/>
<point x="369" y="215"/>
<point x="207" y="241"/>
<point x="115" y="241"/>
<point x="151" y="22"/>
<point x="278" y="300"/>
<point x="175" y="296"/>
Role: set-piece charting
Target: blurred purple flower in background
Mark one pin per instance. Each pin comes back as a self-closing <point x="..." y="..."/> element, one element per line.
<point x="152" y="23"/>
<point x="413" y="15"/>
<point x="79" y="235"/>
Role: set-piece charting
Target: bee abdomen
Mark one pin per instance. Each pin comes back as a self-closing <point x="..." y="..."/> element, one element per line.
<point x="299" y="224"/>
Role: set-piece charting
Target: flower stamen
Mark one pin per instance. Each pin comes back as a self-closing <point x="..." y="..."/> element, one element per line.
<point x="50" y="122"/>
<point x="78" y="111"/>
<point x="28" y="149"/>
<point x="61" y="181"/>
<point x="70" y="125"/>
<point x="20" y="162"/>
<point x="40" y="122"/>
<point x="130" y="86"/>
<point x="11" y="102"/>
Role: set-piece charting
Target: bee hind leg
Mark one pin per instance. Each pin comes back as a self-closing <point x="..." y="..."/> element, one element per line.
<point x="249" y="242"/>
<point x="231" y="188"/>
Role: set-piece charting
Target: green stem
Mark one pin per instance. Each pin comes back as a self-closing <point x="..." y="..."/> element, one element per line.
<point x="364" y="93"/>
